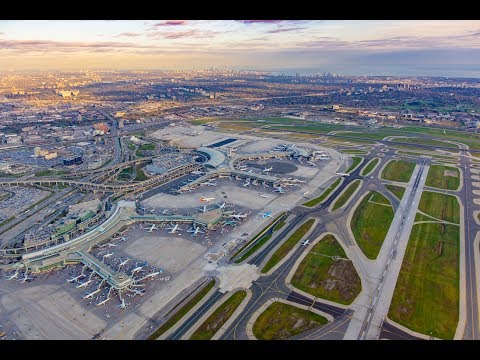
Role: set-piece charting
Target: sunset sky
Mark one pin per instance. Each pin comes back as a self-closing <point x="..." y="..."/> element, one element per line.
<point x="350" y="47"/>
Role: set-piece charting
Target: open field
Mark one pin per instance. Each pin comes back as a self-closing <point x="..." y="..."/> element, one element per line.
<point x="356" y="161"/>
<point x="369" y="167"/>
<point x="398" y="191"/>
<point x="324" y="195"/>
<point x="440" y="206"/>
<point x="424" y="141"/>
<point x="426" y="297"/>
<point x="321" y="276"/>
<point x="281" y="321"/>
<point x="181" y="312"/>
<point x="443" y="177"/>
<point x="288" y="245"/>
<point x="215" y="321"/>
<point x="342" y="200"/>
<point x="370" y="223"/>
<point x="354" y="151"/>
<point x="398" y="170"/>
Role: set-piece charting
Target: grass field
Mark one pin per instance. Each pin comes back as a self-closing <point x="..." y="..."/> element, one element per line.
<point x="354" y="152"/>
<point x="181" y="313"/>
<point x="281" y="321"/>
<point x="342" y="200"/>
<point x="426" y="297"/>
<point x="356" y="161"/>
<point x="424" y="141"/>
<point x="125" y="174"/>
<point x="398" y="191"/>
<point x="436" y="177"/>
<point x="324" y="195"/>
<point x="288" y="245"/>
<point x="261" y="241"/>
<point x="440" y="206"/>
<point x="219" y="317"/>
<point x="146" y="147"/>
<point x="422" y="217"/>
<point x="369" y="167"/>
<point x="370" y="223"/>
<point x="398" y="170"/>
<point x="320" y="275"/>
<point x="49" y="173"/>
<point x="140" y="175"/>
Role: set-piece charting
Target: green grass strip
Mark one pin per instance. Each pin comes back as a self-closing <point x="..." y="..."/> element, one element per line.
<point x="342" y="200"/>
<point x="324" y="195"/>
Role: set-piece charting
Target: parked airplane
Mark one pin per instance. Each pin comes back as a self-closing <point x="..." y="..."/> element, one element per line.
<point x="152" y="227"/>
<point x="209" y="183"/>
<point x="90" y="295"/>
<point x="305" y="193"/>
<point x="121" y="238"/>
<point x="342" y="174"/>
<point x="238" y="216"/>
<point x="123" y="305"/>
<point x="137" y="269"/>
<point x="204" y="209"/>
<point x="196" y="230"/>
<point x="248" y="183"/>
<point x="206" y="199"/>
<point x="106" y="256"/>
<point x="75" y="278"/>
<point x="84" y="284"/>
<point x="174" y="229"/>
<point x="110" y="245"/>
<point x="230" y="222"/>
<point x="152" y="211"/>
<point x="13" y="276"/>
<point x="165" y="212"/>
<point x="311" y="163"/>
<point x="306" y="242"/>
<point x="103" y="302"/>
<point x="221" y="206"/>
<point x="124" y="262"/>
<point x="267" y="169"/>
<point x="280" y="190"/>
<point x="266" y="214"/>
<point x="25" y="278"/>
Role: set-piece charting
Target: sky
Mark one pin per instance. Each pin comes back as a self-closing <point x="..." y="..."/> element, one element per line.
<point x="350" y="47"/>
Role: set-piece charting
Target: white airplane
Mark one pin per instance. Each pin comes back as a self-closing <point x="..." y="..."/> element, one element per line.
<point x="123" y="305"/>
<point x="306" y="193"/>
<point x="206" y="199"/>
<point x="238" y="216"/>
<point x="153" y="227"/>
<point x="264" y="196"/>
<point x="164" y="212"/>
<point x="204" y="209"/>
<point x="266" y="214"/>
<point x="342" y="174"/>
<point x="84" y="284"/>
<point x="222" y="206"/>
<point x="75" y="278"/>
<point x="195" y="231"/>
<point x="311" y="163"/>
<point x="137" y="269"/>
<point x="152" y="275"/>
<point x="13" y="276"/>
<point x="267" y="169"/>
<point x="255" y="182"/>
<point x="174" y="229"/>
<point x="103" y="302"/>
<point x="248" y="183"/>
<point x="209" y="183"/>
<point x="25" y="278"/>
<point x="124" y="262"/>
<point x="152" y="211"/>
<point x="121" y="238"/>
<point x="280" y="189"/>
<point x="306" y="242"/>
<point x="90" y="295"/>
<point x="106" y="256"/>
<point x="110" y="245"/>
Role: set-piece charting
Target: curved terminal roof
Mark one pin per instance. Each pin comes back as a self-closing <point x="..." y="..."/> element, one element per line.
<point x="297" y="151"/>
<point x="216" y="158"/>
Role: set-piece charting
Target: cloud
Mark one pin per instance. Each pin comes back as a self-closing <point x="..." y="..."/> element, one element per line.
<point x="280" y="30"/>
<point x="171" y="23"/>
<point x="261" y="21"/>
<point x="193" y="34"/>
<point x="129" y="34"/>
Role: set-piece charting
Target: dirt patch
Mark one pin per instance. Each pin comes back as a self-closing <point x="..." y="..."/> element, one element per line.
<point x="451" y="173"/>
<point x="343" y="278"/>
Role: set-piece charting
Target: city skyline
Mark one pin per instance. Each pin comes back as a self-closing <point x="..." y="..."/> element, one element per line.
<point x="351" y="47"/>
